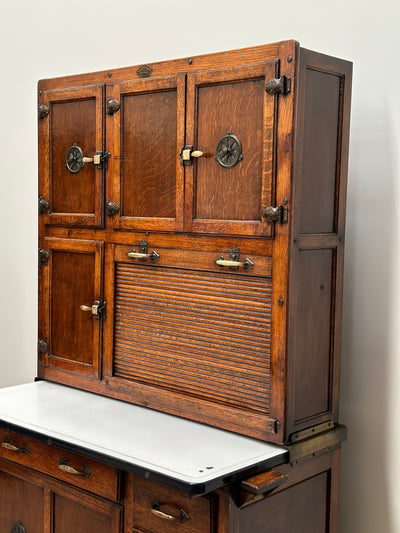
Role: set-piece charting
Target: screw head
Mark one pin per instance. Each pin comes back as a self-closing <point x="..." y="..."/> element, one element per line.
<point x="109" y="75"/>
<point x="289" y="59"/>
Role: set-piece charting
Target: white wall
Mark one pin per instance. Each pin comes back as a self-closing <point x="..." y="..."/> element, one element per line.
<point x="48" y="38"/>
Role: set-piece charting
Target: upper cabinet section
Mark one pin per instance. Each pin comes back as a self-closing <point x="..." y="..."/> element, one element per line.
<point x="71" y="168"/>
<point x="146" y="177"/>
<point x="230" y="119"/>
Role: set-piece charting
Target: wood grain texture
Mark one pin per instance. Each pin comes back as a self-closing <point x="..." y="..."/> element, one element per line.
<point x="191" y="332"/>
<point x="103" y="479"/>
<point x="285" y="125"/>
<point x="73" y="278"/>
<point x="75" y="116"/>
<point x="145" y="175"/>
<point x="88" y="511"/>
<point x="20" y="501"/>
<point x="230" y="200"/>
<point x="171" y="501"/>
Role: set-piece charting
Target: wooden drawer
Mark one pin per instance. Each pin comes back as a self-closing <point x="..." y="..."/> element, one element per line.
<point x="159" y="508"/>
<point x="92" y="476"/>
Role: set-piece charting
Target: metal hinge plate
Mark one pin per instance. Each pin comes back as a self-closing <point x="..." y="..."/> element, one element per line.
<point x="276" y="214"/>
<point x="280" y="85"/>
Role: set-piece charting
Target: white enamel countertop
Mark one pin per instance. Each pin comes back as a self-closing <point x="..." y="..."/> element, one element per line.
<point x="170" y="446"/>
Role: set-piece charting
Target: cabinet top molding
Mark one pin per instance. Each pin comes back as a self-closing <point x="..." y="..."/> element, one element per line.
<point x="286" y="51"/>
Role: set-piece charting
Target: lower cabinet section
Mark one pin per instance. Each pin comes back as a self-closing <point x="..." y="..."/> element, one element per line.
<point x="34" y="503"/>
<point x="301" y="496"/>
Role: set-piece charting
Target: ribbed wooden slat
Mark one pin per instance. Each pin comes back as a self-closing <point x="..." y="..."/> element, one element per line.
<point x="203" y="333"/>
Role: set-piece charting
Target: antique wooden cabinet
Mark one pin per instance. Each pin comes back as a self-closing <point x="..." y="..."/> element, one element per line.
<point x="192" y="233"/>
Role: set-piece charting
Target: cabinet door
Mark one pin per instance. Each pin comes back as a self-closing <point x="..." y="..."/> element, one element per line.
<point x="71" y="292"/>
<point x="83" y="514"/>
<point x="71" y="131"/>
<point x="21" y="504"/>
<point x="231" y="119"/>
<point x="145" y="171"/>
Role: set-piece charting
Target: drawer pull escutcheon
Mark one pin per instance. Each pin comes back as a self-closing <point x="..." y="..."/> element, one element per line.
<point x="85" y="472"/>
<point x="155" y="509"/>
<point x="8" y="446"/>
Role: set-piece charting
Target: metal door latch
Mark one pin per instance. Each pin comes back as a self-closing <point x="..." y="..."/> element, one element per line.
<point x="187" y="153"/>
<point x="75" y="160"/>
<point x="96" y="309"/>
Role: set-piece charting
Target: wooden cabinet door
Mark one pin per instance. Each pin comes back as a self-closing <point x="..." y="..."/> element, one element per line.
<point x="84" y="514"/>
<point x="231" y="119"/>
<point x="146" y="178"/>
<point x="21" y="504"/>
<point x="72" y="129"/>
<point x="72" y="284"/>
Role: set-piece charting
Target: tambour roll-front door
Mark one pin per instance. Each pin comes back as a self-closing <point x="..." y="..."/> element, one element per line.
<point x="71" y="169"/>
<point x="231" y="123"/>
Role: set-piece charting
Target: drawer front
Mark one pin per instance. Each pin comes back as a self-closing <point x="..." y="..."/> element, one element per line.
<point x="159" y="508"/>
<point x="76" y="470"/>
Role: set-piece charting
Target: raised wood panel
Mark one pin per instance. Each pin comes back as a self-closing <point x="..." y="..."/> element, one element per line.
<point x="201" y="333"/>
<point x="73" y="277"/>
<point x="230" y="200"/>
<point x="146" y="178"/>
<point x="321" y="151"/>
<point x="71" y="516"/>
<point x="75" y="116"/>
<point x="20" y="501"/>
<point x="312" y="359"/>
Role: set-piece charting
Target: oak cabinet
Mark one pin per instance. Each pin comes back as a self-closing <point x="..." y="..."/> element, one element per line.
<point x="192" y="213"/>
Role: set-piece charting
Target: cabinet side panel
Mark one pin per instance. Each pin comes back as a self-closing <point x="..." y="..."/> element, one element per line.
<point x="323" y="92"/>
<point x="312" y="365"/>
<point x="302" y="507"/>
<point x="320" y="149"/>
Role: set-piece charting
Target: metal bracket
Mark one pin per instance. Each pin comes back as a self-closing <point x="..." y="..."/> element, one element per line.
<point x="276" y="214"/>
<point x="280" y="85"/>
<point x="318" y="445"/>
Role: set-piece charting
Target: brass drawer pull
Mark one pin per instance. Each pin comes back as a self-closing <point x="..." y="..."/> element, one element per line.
<point x="154" y="256"/>
<point x="8" y="446"/>
<point x="246" y="264"/>
<point x="85" y="472"/>
<point x="182" y="518"/>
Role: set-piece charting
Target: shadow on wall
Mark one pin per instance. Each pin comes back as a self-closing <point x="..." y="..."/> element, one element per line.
<point x="368" y="304"/>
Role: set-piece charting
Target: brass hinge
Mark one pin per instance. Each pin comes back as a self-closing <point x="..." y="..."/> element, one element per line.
<point x="276" y="214"/>
<point x="280" y="85"/>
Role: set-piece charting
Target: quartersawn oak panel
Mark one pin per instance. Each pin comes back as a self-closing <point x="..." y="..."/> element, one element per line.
<point x="149" y="155"/>
<point x="201" y="333"/>
<point x="21" y="501"/>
